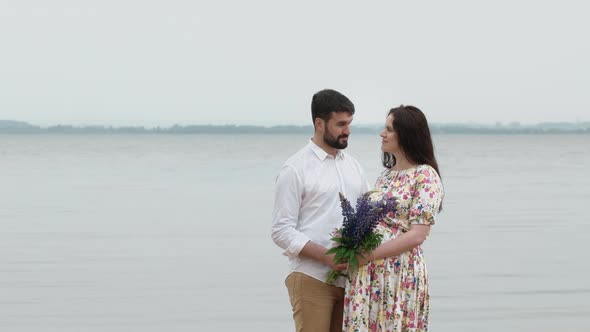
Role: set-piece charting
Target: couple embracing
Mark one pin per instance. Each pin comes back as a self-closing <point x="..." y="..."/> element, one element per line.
<point x="389" y="289"/>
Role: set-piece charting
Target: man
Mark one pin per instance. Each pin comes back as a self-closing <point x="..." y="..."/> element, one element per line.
<point x="307" y="210"/>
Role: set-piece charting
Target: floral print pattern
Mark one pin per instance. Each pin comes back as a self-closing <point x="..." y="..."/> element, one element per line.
<point x="391" y="294"/>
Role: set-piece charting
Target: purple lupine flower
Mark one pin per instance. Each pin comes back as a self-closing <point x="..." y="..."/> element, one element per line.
<point x="356" y="236"/>
<point x="347" y="212"/>
<point x="358" y="224"/>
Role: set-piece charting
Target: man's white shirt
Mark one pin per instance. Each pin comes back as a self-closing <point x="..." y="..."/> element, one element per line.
<point x="307" y="205"/>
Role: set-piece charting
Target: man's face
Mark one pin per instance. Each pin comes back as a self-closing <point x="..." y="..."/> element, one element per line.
<point x="337" y="130"/>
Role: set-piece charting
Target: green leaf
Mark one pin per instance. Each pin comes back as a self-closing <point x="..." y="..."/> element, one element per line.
<point x="333" y="276"/>
<point x="331" y="250"/>
<point x="353" y="260"/>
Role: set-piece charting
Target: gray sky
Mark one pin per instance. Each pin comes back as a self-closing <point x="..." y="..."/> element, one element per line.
<point x="259" y="62"/>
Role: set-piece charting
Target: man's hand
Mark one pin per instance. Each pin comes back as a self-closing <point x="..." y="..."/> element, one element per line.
<point x="329" y="260"/>
<point x="318" y="253"/>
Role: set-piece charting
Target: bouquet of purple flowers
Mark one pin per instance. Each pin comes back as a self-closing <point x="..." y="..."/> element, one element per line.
<point x="356" y="236"/>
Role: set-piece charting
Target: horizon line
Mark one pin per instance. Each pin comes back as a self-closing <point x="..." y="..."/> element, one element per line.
<point x="462" y="123"/>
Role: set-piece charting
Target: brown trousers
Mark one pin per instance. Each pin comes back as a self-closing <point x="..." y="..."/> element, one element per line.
<point x="317" y="306"/>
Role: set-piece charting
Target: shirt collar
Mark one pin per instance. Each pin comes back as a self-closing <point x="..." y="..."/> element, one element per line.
<point x="321" y="154"/>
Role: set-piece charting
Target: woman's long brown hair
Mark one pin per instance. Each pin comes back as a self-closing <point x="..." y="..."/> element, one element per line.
<point x="413" y="136"/>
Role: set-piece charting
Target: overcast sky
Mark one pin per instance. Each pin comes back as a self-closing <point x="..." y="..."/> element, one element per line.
<point x="259" y="62"/>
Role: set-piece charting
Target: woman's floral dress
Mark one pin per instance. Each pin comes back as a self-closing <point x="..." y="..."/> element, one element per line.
<point x="391" y="294"/>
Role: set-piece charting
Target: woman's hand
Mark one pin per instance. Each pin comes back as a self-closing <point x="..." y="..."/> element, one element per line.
<point x="365" y="258"/>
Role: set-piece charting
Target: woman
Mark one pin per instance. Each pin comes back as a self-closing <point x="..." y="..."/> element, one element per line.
<point x="389" y="291"/>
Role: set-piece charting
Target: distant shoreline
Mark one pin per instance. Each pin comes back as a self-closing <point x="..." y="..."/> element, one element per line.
<point x="19" y="127"/>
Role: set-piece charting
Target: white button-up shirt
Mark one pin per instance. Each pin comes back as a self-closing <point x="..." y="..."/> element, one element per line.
<point x="307" y="205"/>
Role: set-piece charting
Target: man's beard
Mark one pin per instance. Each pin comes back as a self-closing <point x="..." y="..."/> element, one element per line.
<point x="335" y="141"/>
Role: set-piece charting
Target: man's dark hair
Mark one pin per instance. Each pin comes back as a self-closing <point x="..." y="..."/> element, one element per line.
<point x="327" y="101"/>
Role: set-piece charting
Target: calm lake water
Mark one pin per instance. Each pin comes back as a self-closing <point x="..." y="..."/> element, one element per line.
<point x="171" y="233"/>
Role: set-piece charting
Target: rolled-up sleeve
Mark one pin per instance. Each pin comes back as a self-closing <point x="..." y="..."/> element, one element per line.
<point x="285" y="216"/>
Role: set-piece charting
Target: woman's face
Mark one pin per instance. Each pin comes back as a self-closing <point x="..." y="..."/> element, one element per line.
<point x="389" y="141"/>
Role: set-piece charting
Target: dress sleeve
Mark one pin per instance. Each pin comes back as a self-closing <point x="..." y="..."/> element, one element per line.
<point x="426" y="197"/>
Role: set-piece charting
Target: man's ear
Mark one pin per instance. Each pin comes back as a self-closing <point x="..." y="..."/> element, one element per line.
<point x="318" y="124"/>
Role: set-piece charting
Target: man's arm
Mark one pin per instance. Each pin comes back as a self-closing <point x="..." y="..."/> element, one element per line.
<point x="285" y="215"/>
<point x="284" y="232"/>
<point x="318" y="253"/>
